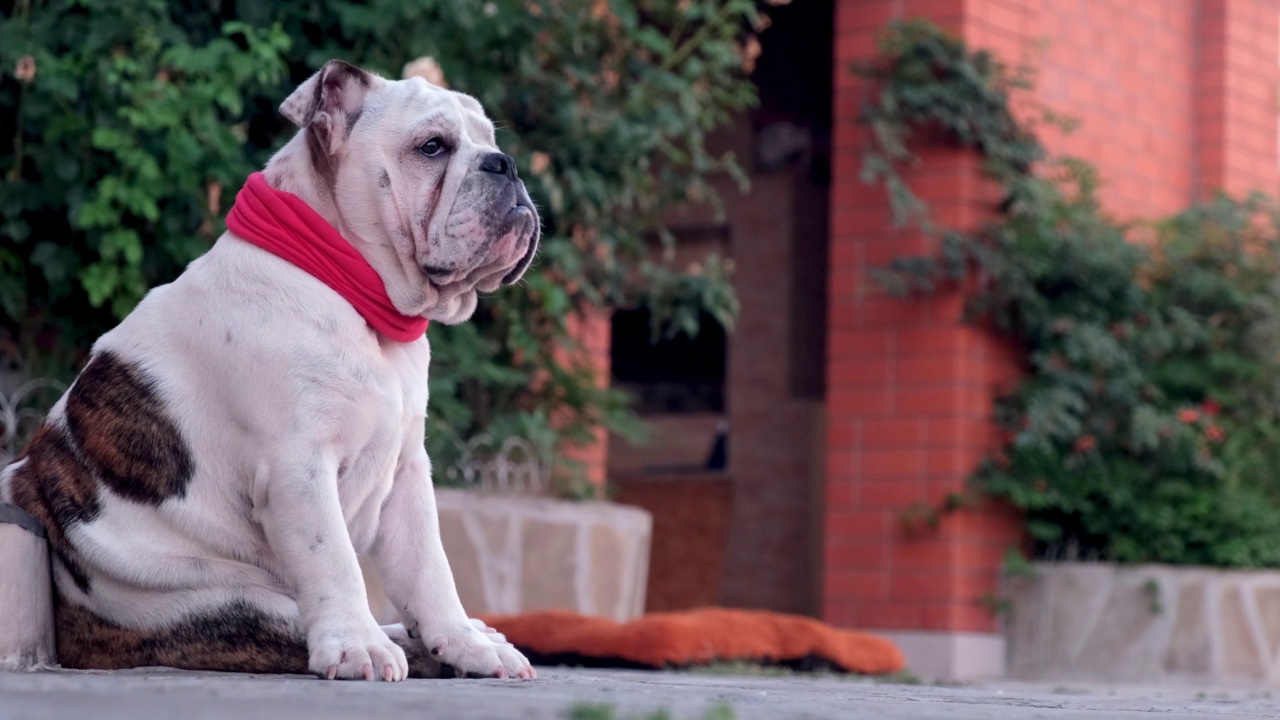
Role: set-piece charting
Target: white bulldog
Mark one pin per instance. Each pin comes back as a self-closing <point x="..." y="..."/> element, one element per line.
<point x="209" y="479"/>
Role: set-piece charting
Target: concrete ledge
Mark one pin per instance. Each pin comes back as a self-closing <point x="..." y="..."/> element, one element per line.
<point x="1144" y="623"/>
<point x="559" y="693"/>
<point x="950" y="655"/>
<point x="517" y="553"/>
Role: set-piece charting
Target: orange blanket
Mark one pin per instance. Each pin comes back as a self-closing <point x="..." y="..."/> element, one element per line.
<point x="696" y="637"/>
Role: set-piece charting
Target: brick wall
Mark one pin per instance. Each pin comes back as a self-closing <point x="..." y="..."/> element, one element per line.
<point x="1133" y="101"/>
<point x="774" y="455"/>
<point x="909" y="385"/>
<point x="591" y="327"/>
<point x="1236" y="79"/>
<point x="1176" y="98"/>
<point x="756" y="541"/>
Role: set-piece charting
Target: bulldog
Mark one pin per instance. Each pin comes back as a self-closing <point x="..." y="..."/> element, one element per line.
<point x="250" y="429"/>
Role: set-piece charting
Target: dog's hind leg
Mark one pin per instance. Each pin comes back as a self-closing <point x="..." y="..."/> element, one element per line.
<point x="238" y="637"/>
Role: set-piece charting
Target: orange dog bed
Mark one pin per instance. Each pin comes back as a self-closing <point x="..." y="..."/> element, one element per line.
<point x="696" y="637"/>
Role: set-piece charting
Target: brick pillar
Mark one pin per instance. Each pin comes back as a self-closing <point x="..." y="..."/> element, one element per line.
<point x="591" y="328"/>
<point x="1178" y="99"/>
<point x="910" y="386"/>
<point x="1125" y="73"/>
<point x="1237" y="72"/>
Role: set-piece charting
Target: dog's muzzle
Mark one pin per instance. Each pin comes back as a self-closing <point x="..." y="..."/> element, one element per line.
<point x="522" y="216"/>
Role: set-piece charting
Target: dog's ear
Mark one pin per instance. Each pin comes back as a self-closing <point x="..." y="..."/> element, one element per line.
<point x="329" y="102"/>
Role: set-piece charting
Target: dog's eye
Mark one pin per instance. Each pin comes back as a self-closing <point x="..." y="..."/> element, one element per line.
<point x="432" y="147"/>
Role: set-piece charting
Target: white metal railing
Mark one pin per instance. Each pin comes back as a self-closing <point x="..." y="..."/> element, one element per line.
<point x="21" y="414"/>
<point x="514" y="468"/>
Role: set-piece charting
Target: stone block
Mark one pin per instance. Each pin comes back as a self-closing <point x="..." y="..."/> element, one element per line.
<point x="550" y="554"/>
<point x="1243" y="655"/>
<point x="26" y="593"/>
<point x="516" y="553"/>
<point x="1267" y="599"/>
<point x="1190" y="647"/>
<point x="1149" y="623"/>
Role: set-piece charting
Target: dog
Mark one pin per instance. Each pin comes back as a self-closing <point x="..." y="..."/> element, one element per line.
<point x="246" y="432"/>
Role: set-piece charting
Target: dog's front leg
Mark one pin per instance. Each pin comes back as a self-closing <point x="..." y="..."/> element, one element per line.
<point x="302" y="518"/>
<point x="417" y="578"/>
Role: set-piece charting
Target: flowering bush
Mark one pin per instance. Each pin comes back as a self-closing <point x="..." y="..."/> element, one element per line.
<point x="1146" y="427"/>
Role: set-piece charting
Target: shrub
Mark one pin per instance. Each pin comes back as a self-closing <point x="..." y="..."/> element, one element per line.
<point x="1145" y="426"/>
<point x="120" y="154"/>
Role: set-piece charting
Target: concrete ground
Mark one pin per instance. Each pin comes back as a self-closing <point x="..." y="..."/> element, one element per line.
<point x="155" y="693"/>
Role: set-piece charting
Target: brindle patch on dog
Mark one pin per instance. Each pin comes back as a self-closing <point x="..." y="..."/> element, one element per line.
<point x="118" y="420"/>
<point x="56" y="487"/>
<point x="236" y="638"/>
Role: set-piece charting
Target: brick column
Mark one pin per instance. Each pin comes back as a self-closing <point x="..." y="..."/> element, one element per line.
<point x="591" y="328"/>
<point x="1237" y="72"/>
<point x="909" y="388"/>
<point x="1177" y="100"/>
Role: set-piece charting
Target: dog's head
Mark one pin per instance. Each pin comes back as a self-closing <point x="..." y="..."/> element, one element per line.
<point x="418" y="185"/>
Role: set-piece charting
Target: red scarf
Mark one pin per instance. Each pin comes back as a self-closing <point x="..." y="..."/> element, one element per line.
<point x="283" y="224"/>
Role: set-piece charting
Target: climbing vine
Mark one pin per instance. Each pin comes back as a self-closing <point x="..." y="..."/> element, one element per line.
<point x="1145" y="425"/>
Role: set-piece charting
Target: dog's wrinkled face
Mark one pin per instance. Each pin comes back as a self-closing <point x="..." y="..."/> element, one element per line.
<point x="419" y="187"/>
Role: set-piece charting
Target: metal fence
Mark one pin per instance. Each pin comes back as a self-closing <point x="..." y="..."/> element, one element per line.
<point x="21" y="412"/>
<point x="512" y="467"/>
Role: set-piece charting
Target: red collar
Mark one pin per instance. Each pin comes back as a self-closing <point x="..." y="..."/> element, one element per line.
<point x="283" y="224"/>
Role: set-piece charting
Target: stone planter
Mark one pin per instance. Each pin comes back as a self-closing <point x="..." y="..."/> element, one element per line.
<point x="1144" y="623"/>
<point x="517" y="553"/>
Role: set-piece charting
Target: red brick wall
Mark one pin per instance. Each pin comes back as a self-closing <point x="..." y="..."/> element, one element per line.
<point x="1236" y="79"/>
<point x="692" y="514"/>
<point x="1175" y="98"/>
<point x="909" y="385"/>
<point x="592" y="330"/>
<point x="1132" y="100"/>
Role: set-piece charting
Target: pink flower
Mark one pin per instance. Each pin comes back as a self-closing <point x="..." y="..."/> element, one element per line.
<point x="1210" y="408"/>
<point x="1188" y="415"/>
<point x="1085" y="443"/>
<point x="1215" y="434"/>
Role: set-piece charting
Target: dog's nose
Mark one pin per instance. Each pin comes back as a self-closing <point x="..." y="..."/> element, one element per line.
<point x="437" y="274"/>
<point x="499" y="164"/>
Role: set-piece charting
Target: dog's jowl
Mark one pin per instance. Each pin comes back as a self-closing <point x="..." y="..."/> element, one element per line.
<point x="230" y="448"/>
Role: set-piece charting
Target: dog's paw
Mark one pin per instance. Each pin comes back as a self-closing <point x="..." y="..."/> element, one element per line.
<point x="491" y="633"/>
<point x="358" y="654"/>
<point x="474" y="649"/>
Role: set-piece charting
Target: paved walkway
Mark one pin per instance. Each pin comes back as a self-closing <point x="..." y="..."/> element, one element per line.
<point x="142" y="695"/>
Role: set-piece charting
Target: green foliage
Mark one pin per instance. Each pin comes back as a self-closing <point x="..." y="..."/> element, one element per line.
<point x="110" y="150"/>
<point x="1145" y="427"/>
<point x="121" y="154"/>
<point x="930" y="83"/>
